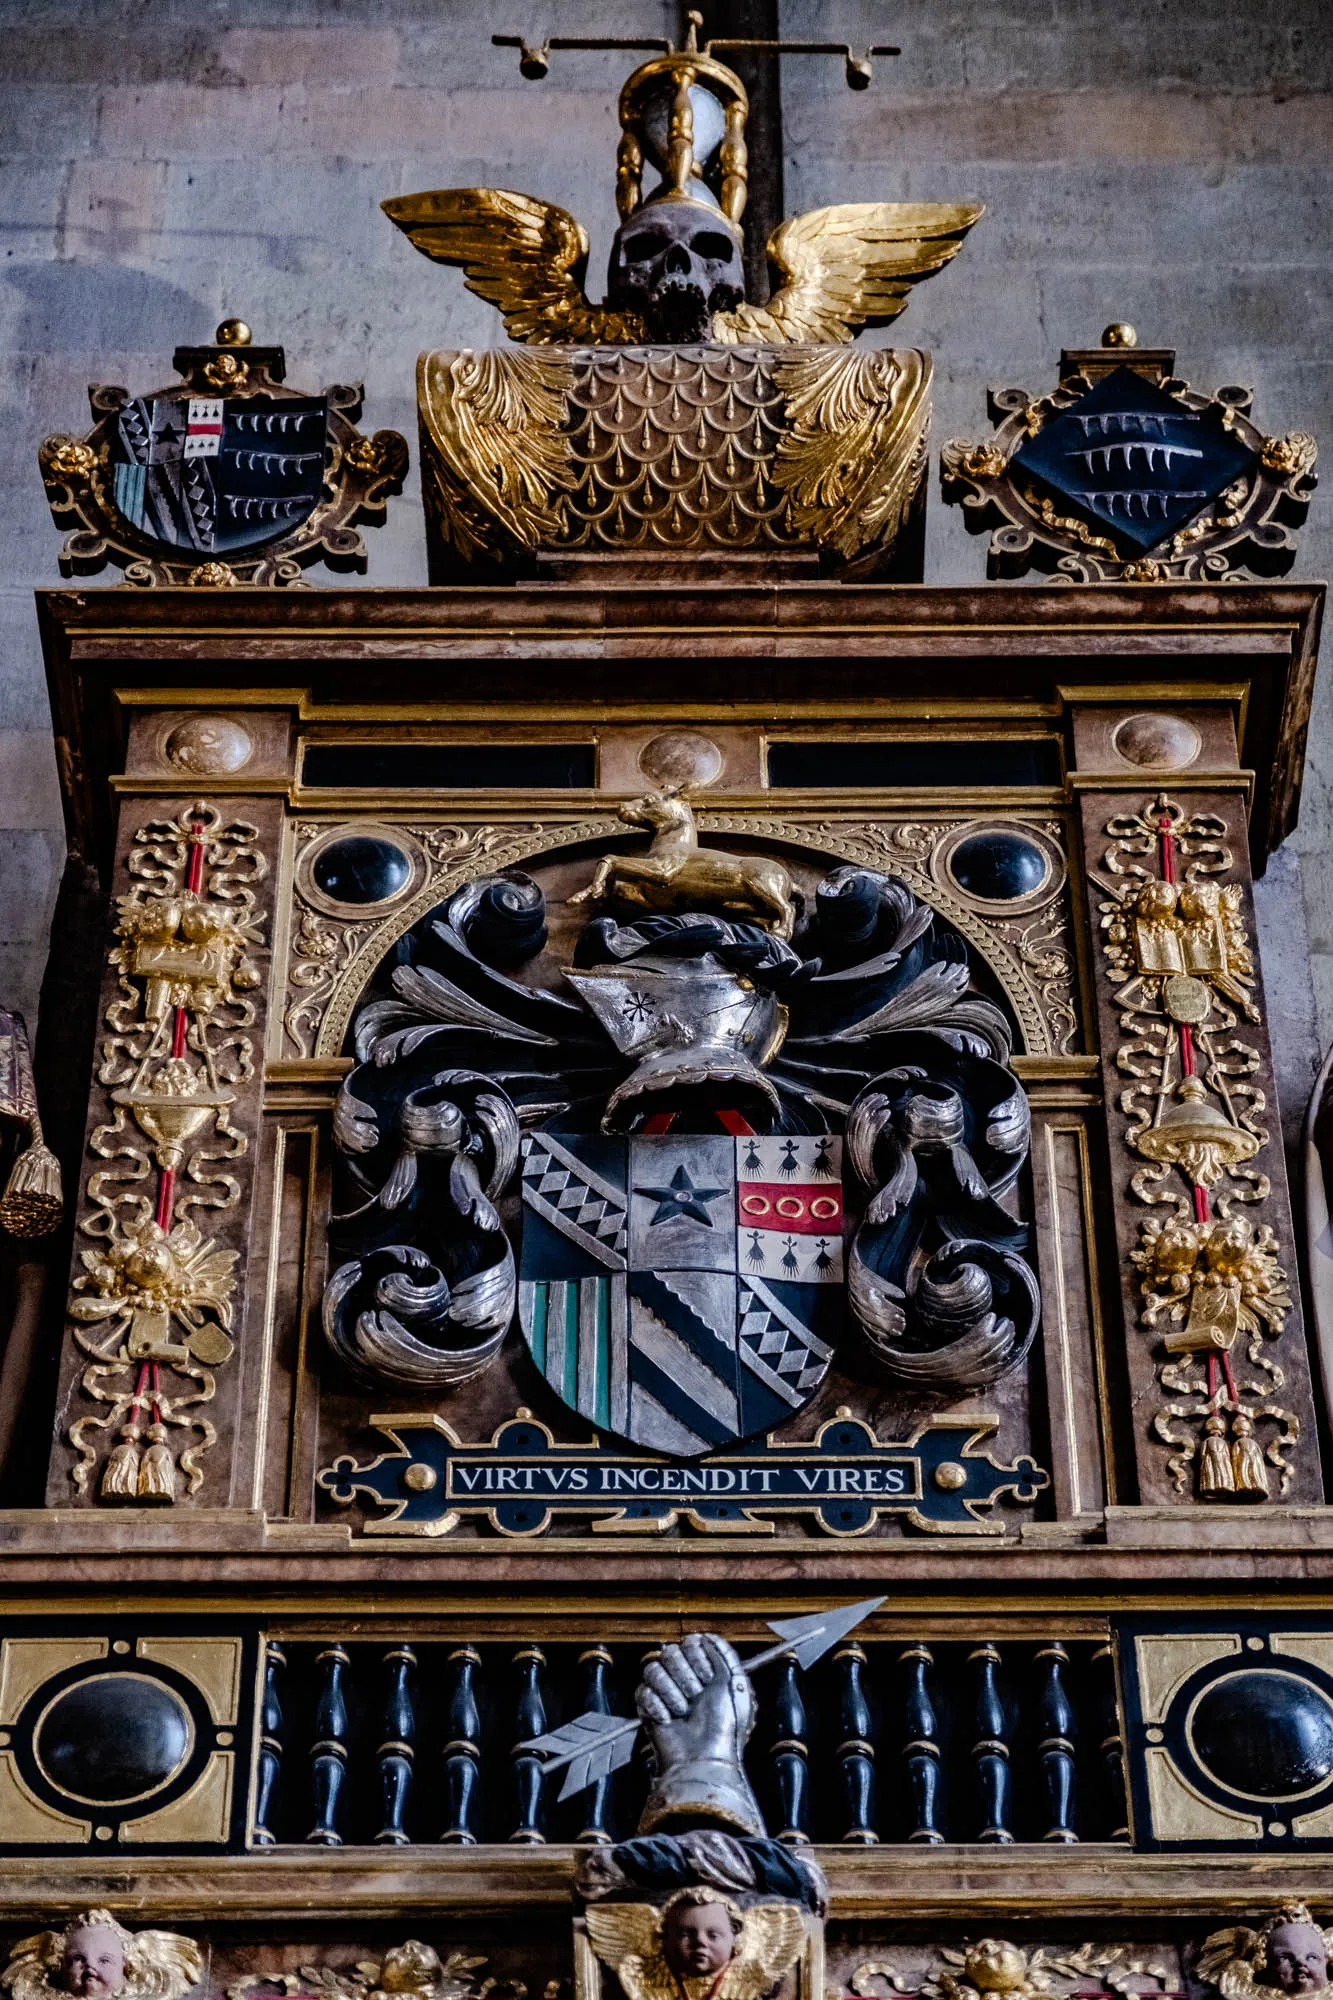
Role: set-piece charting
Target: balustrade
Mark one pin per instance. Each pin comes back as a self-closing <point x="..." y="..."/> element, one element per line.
<point x="992" y="1741"/>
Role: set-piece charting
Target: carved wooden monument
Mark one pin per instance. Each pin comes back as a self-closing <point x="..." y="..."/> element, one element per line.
<point x="677" y="1367"/>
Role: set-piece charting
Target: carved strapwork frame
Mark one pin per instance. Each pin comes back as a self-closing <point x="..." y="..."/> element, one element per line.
<point x="1215" y="1353"/>
<point x="147" y="1395"/>
<point x="1247" y="530"/>
<point x="83" y="478"/>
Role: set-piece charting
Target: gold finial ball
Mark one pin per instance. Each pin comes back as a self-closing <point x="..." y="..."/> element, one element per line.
<point x="233" y="333"/>
<point x="1119" y="334"/>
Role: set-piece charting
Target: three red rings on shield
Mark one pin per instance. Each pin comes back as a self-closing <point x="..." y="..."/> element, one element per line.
<point x="791" y="1209"/>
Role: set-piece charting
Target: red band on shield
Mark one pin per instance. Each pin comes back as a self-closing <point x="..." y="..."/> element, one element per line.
<point x="803" y="1210"/>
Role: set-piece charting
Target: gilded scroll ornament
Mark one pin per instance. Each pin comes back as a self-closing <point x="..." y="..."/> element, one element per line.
<point x="156" y="1293"/>
<point x="227" y="476"/>
<point x="994" y="1969"/>
<point x="97" y="1958"/>
<point x="1126" y="474"/>
<point x="1212" y="1289"/>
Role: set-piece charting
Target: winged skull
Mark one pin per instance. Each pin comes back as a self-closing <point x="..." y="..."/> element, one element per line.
<point x="838" y="269"/>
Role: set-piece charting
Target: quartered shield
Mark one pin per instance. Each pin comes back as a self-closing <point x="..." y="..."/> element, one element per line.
<point x="218" y="473"/>
<point x="682" y="1292"/>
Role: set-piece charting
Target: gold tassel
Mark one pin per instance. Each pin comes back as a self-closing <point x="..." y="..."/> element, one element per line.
<point x="33" y="1201"/>
<point x="157" y="1474"/>
<point x="120" y="1479"/>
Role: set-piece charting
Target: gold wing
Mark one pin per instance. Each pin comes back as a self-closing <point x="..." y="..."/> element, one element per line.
<point x="1227" y="1961"/>
<point x="497" y="449"/>
<point x="525" y="256"/>
<point x="161" y="1965"/>
<point x="769" y="1945"/>
<point x="849" y="266"/>
<point x="31" y="1963"/>
<point x="854" y="451"/>
<point x="621" y="1931"/>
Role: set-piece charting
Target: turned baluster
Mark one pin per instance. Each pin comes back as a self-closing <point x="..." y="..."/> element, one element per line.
<point x="596" y="1663"/>
<point x="921" y="1750"/>
<point x="856" y="1753"/>
<point x="462" y="1752"/>
<point x="1056" y="1748"/>
<point x="269" y="1762"/>
<point x="531" y="1720"/>
<point x="791" y="1755"/>
<point x="395" y="1753"/>
<point x="990" y="1751"/>
<point x="1111" y="1748"/>
<point x="328" y="1758"/>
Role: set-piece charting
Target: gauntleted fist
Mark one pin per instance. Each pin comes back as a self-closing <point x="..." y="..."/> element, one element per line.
<point x="697" y="1706"/>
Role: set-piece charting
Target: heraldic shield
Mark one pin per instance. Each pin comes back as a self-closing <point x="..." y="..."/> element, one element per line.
<point x="682" y="1292"/>
<point x="218" y="473"/>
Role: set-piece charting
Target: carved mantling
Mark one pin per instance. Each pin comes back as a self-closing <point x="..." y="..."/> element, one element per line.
<point x="333" y="954"/>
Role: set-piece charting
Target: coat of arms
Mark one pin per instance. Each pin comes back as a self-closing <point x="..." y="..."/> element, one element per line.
<point x="638" y="1149"/>
<point x="682" y="1292"/>
<point x="226" y="477"/>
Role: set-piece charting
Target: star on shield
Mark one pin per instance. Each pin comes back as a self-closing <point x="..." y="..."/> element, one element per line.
<point x="682" y="1198"/>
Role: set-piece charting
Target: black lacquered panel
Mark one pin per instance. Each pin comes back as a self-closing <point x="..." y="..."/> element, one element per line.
<point x="866" y="766"/>
<point x="451" y="767"/>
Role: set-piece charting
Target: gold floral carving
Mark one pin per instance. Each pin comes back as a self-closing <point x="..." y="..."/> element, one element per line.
<point x="992" y="1967"/>
<point x="408" y="1971"/>
<point x="1211" y="1287"/>
<point x="156" y="1293"/>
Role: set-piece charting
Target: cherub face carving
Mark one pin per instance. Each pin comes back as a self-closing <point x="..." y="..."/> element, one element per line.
<point x="676" y="263"/>
<point x="92" y="1965"/>
<point x="698" y="1938"/>
<point x="1295" y="1959"/>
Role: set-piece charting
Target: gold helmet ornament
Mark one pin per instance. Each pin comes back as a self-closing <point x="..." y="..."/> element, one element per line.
<point x="676" y="272"/>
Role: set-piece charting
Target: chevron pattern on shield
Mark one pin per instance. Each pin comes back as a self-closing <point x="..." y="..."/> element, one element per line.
<point x="682" y="1292"/>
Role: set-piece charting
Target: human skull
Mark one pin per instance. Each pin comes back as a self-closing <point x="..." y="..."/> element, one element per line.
<point x="676" y="263"/>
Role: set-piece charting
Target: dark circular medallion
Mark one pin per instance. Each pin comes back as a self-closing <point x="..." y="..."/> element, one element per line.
<point x="113" y="1738"/>
<point x="1264" y="1734"/>
<point x="998" y="865"/>
<point x="361" y="868"/>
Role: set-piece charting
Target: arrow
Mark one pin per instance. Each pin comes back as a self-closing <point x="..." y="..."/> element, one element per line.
<point x="594" y="1745"/>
